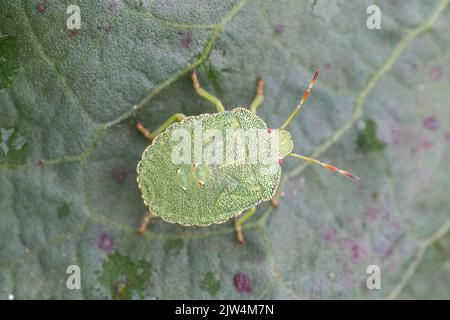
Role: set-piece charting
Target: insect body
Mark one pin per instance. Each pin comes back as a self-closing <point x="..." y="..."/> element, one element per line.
<point x="178" y="185"/>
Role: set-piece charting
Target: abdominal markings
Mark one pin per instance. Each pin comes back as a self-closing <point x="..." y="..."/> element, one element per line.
<point x="192" y="176"/>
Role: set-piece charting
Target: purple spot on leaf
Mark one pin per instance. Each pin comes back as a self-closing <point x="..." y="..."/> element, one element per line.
<point x="327" y="65"/>
<point x="185" y="39"/>
<point x="71" y="34"/>
<point x="279" y="28"/>
<point x="330" y="235"/>
<point x="430" y="123"/>
<point x="356" y="252"/>
<point x="423" y="146"/>
<point x="119" y="174"/>
<point x="435" y="73"/>
<point x="395" y="136"/>
<point x="413" y="65"/>
<point x="107" y="30"/>
<point x="41" y="7"/>
<point x="447" y="136"/>
<point x="105" y="242"/>
<point x="387" y="253"/>
<point x="113" y="6"/>
<point x="242" y="283"/>
<point x="373" y="213"/>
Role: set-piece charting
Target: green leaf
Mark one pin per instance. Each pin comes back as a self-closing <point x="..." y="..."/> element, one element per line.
<point x="68" y="192"/>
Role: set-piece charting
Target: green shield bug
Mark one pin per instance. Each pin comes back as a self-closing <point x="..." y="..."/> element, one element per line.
<point x="189" y="176"/>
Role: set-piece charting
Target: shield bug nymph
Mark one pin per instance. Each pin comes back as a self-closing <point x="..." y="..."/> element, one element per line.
<point x="204" y="185"/>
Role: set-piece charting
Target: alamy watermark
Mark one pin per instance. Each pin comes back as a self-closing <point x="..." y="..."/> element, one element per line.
<point x="74" y="280"/>
<point x="197" y="145"/>
<point x="374" y="19"/>
<point x="374" y="279"/>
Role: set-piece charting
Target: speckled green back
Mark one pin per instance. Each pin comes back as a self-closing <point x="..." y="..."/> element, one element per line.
<point x="229" y="188"/>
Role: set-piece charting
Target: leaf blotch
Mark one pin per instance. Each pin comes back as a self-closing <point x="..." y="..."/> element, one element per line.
<point x="242" y="283"/>
<point x="125" y="277"/>
<point x="63" y="211"/>
<point x="367" y="140"/>
<point x="173" y="245"/>
<point x="210" y="284"/>
<point x="8" y="60"/>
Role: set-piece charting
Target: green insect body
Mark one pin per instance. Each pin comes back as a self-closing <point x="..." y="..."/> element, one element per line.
<point x="204" y="194"/>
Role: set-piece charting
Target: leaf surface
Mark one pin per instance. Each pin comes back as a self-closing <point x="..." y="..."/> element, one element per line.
<point x="69" y="149"/>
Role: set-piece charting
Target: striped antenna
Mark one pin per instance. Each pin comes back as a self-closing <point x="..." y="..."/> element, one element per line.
<point x="302" y="101"/>
<point x="326" y="165"/>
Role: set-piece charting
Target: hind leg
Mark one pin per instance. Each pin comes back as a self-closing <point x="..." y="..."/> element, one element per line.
<point x="238" y="224"/>
<point x="144" y="223"/>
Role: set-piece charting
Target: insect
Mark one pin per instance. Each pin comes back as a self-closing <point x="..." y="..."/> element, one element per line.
<point x="201" y="193"/>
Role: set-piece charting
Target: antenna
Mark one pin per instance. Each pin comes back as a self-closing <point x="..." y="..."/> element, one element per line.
<point x="302" y="101"/>
<point x="326" y="165"/>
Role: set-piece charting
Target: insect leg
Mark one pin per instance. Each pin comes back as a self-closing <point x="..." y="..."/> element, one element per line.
<point x="238" y="224"/>
<point x="325" y="165"/>
<point x="302" y="101"/>
<point x="259" y="95"/>
<point x="151" y="135"/>
<point x="275" y="203"/>
<point x="145" y="220"/>
<point x="203" y="93"/>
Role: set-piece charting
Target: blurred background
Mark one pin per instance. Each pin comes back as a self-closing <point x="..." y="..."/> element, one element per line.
<point x="69" y="99"/>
